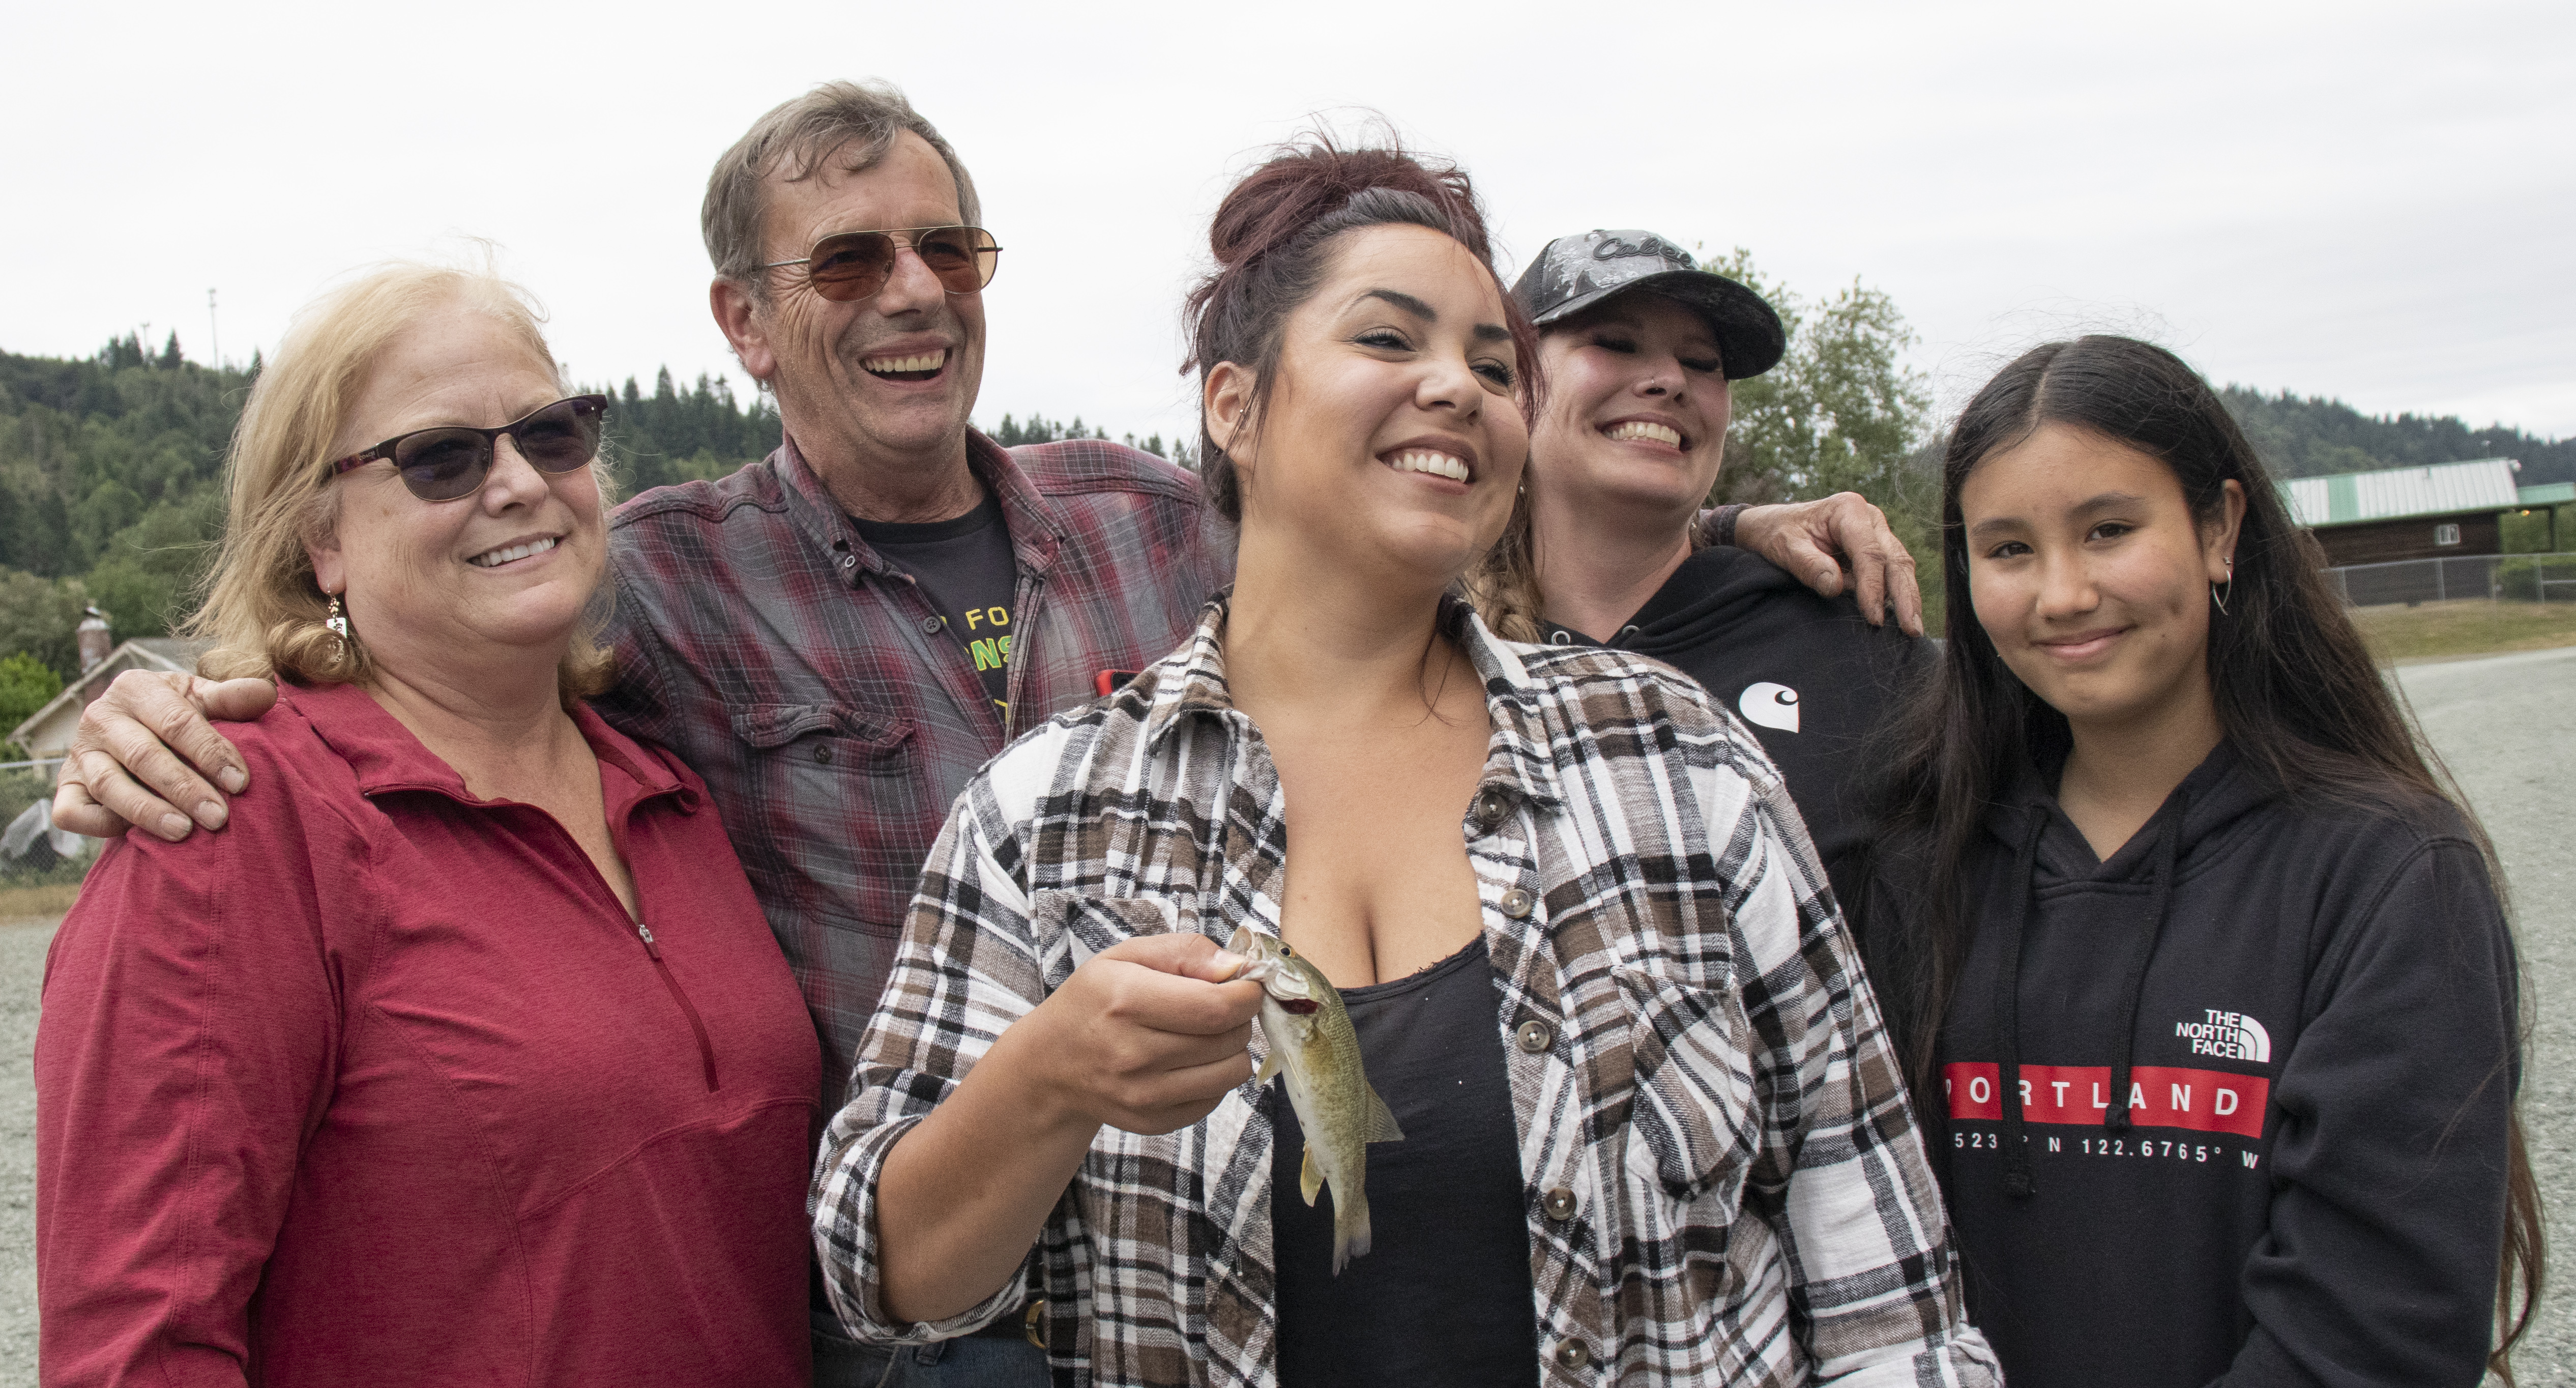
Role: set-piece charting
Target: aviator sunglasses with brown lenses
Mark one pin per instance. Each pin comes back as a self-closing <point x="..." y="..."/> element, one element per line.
<point x="855" y="264"/>
<point x="451" y="461"/>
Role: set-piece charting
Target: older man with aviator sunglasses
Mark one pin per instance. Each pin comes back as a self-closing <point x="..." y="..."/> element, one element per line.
<point x="837" y="636"/>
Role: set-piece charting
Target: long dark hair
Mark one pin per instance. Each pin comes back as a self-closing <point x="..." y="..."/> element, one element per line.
<point x="2298" y="694"/>
<point x="1271" y="237"/>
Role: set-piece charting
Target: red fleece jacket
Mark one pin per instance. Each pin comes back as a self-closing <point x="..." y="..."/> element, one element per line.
<point x="381" y="1085"/>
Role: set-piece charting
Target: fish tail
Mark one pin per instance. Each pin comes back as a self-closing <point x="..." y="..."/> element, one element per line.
<point x="1350" y="1228"/>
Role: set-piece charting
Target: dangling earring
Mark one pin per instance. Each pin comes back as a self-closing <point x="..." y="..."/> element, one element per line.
<point x="2214" y="595"/>
<point x="338" y="626"/>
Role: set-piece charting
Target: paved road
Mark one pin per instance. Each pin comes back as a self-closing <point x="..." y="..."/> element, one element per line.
<point x="2505" y="724"/>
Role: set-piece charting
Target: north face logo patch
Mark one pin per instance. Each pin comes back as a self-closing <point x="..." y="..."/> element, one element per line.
<point x="2228" y="1036"/>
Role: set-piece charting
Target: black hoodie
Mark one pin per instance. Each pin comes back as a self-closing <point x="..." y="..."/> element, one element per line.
<point x="2312" y="1013"/>
<point x="1805" y="673"/>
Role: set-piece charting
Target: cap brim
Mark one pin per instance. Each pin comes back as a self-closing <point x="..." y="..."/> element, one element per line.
<point x="1749" y="337"/>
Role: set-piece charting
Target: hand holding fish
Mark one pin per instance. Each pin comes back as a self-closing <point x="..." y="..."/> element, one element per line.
<point x="1147" y="1036"/>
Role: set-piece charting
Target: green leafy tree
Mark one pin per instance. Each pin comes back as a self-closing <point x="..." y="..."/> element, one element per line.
<point x="147" y="581"/>
<point x="37" y="619"/>
<point x="1841" y="412"/>
<point x="26" y="685"/>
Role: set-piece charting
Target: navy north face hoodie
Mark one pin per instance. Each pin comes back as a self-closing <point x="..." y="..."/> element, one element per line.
<point x="2264" y="1059"/>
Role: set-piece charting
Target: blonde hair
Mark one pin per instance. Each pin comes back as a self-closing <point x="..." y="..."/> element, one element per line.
<point x="1503" y="584"/>
<point x="263" y="608"/>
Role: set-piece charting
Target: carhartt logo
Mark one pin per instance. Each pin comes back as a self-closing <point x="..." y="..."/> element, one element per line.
<point x="2228" y="1036"/>
<point x="1771" y="705"/>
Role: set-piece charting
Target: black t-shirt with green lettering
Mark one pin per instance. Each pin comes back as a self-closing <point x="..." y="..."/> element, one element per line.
<point x="966" y="569"/>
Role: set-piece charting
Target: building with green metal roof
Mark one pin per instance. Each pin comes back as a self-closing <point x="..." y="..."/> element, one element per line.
<point x="2436" y="512"/>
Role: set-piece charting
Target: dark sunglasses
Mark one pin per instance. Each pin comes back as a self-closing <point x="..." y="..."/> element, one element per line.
<point x="855" y="264"/>
<point x="452" y="460"/>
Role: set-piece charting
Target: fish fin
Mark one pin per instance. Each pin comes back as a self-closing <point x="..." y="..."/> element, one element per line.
<point x="1310" y="1179"/>
<point x="1350" y="1229"/>
<point x="1382" y="1123"/>
<point x="1271" y="1065"/>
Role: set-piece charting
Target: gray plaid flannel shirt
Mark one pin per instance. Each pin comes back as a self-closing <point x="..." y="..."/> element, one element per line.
<point x="1713" y="1084"/>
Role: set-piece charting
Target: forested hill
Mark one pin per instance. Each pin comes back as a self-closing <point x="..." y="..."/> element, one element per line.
<point x="2308" y="436"/>
<point x="111" y="477"/>
<point x="111" y="493"/>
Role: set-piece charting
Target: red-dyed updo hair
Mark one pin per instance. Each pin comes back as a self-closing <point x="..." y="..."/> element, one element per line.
<point x="1272" y="236"/>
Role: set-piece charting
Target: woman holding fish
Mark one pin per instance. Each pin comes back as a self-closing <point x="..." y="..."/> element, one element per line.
<point x="1554" y="940"/>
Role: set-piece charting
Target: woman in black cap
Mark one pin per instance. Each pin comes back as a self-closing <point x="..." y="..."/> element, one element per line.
<point x="1609" y="547"/>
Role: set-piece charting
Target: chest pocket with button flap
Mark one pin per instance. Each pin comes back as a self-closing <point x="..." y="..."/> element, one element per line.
<point x="831" y="735"/>
<point x="1690" y="1117"/>
<point x="843" y="801"/>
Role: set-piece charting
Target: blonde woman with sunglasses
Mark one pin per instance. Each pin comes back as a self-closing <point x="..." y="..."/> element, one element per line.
<point x="465" y="1055"/>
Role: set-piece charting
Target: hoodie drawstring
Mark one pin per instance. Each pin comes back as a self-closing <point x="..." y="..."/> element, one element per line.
<point x="2019" y="1180"/>
<point x="2017" y="1173"/>
<point x="2168" y="856"/>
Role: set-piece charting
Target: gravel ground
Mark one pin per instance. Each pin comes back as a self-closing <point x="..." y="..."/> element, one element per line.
<point x="2506" y="724"/>
<point x="22" y="968"/>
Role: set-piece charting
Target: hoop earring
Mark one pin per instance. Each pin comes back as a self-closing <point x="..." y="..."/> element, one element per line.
<point x="2214" y="595"/>
<point x="338" y="624"/>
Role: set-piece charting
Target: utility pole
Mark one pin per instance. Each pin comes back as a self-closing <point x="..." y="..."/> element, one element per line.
<point x="216" y="352"/>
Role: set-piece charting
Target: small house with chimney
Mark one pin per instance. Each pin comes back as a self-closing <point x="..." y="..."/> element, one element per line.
<point x="48" y="732"/>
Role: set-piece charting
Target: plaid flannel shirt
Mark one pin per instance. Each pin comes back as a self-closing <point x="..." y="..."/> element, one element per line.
<point x="832" y="717"/>
<point x="1693" y="1053"/>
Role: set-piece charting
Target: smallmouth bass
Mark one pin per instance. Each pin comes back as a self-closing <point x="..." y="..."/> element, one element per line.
<point x="1312" y="1042"/>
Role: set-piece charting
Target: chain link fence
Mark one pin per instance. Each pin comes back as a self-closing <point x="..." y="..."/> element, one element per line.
<point x="2495" y="577"/>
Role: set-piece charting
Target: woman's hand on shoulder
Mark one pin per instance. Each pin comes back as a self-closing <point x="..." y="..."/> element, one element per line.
<point x="1814" y="541"/>
<point x="1147" y="1036"/>
<point x="145" y="748"/>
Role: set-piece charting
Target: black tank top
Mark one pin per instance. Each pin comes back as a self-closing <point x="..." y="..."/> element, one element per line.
<point x="1443" y="1296"/>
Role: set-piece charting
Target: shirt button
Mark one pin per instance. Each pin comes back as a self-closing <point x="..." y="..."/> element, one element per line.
<point x="823" y="755"/>
<point x="1516" y="904"/>
<point x="1573" y="1354"/>
<point x="1535" y="1037"/>
<point x="1490" y="809"/>
<point x="930" y="626"/>
<point x="1559" y="1204"/>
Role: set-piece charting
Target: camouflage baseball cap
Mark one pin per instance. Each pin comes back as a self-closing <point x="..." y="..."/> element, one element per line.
<point x="1572" y="273"/>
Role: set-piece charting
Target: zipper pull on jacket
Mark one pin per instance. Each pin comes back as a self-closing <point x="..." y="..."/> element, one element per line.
<point x="697" y="1024"/>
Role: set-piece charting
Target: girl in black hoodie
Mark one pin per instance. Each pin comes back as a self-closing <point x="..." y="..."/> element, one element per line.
<point x="2182" y="933"/>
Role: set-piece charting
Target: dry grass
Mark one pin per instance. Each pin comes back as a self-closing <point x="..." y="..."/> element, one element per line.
<point x="2450" y="630"/>
<point x="36" y="905"/>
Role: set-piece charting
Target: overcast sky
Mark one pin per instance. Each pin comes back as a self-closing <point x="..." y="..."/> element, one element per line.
<point x="2362" y="200"/>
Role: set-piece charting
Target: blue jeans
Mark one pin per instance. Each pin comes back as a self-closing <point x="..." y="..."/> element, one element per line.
<point x="976" y="1362"/>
